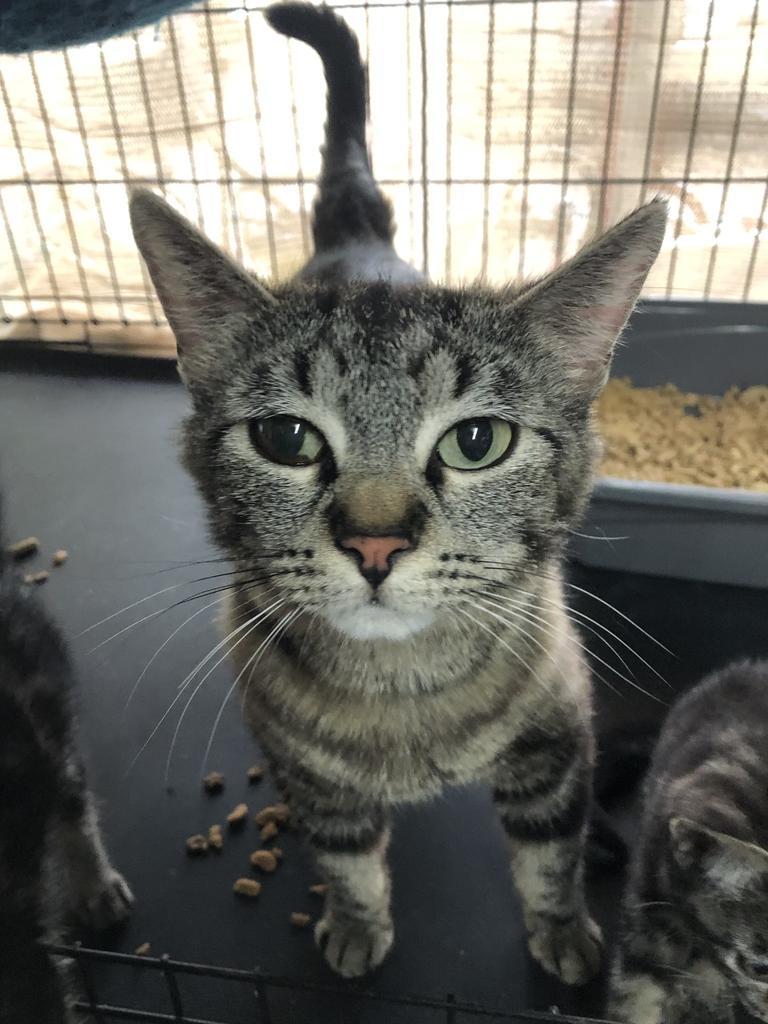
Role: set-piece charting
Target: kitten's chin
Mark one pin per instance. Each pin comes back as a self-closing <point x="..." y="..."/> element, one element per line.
<point x="374" y="622"/>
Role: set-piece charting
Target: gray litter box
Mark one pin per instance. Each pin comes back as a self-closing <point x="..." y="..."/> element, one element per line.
<point x="681" y="530"/>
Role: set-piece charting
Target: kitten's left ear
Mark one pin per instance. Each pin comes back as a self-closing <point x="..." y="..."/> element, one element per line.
<point x="205" y="294"/>
<point x="730" y="864"/>
<point x="579" y="309"/>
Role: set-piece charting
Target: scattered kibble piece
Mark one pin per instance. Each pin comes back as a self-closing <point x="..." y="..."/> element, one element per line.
<point x="255" y="773"/>
<point x="60" y="557"/>
<point x="237" y="817"/>
<point x="264" y="860"/>
<point x="143" y="949"/>
<point x="319" y="890"/>
<point x="247" y="887"/>
<point x="24" y="548"/>
<point x="300" y="920"/>
<point x="278" y="814"/>
<point x="215" y="838"/>
<point x="277" y="852"/>
<point x="269" y="831"/>
<point x="36" y="577"/>
<point x="213" y="782"/>
<point x="197" y="845"/>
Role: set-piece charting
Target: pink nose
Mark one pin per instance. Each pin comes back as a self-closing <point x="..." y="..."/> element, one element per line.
<point x="376" y="551"/>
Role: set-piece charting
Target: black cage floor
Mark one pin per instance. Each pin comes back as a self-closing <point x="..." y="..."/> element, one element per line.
<point x="88" y="463"/>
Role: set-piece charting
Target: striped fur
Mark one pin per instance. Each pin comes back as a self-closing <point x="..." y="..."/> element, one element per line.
<point x="695" y="924"/>
<point x="52" y="859"/>
<point x="462" y="665"/>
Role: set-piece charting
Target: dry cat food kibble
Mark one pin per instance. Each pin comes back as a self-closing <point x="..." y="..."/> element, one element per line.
<point x="277" y="852"/>
<point x="60" y="557"/>
<point x="24" y="548"/>
<point x="237" y="817"/>
<point x="318" y="890"/>
<point x="247" y="887"/>
<point x="300" y="920"/>
<point x="213" y="782"/>
<point x="264" y="860"/>
<point x="277" y="814"/>
<point x="673" y="436"/>
<point x="143" y="949"/>
<point x="255" y="773"/>
<point x="37" y="577"/>
<point x="197" y="845"/>
<point x="215" y="838"/>
<point x="269" y="831"/>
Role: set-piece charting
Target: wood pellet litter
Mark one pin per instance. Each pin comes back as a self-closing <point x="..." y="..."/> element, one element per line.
<point x="236" y="818"/>
<point x="213" y="782"/>
<point x="24" y="548"/>
<point x="255" y="773"/>
<point x="215" y="838"/>
<point x="247" y="887"/>
<point x="318" y="890"/>
<point x="300" y="920"/>
<point x="269" y="831"/>
<point x="37" y="577"/>
<point x="674" y="436"/>
<point x="197" y="845"/>
<point x="60" y="557"/>
<point x="264" y="860"/>
<point x="143" y="949"/>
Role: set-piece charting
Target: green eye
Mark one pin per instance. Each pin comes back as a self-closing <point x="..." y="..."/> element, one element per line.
<point x="476" y="444"/>
<point x="287" y="440"/>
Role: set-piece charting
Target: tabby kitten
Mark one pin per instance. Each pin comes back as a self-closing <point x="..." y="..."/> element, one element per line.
<point x="695" y="930"/>
<point x="394" y="467"/>
<point x="52" y="859"/>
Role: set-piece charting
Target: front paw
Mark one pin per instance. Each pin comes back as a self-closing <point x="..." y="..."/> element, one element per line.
<point x="105" y="903"/>
<point x="571" y="951"/>
<point x="352" y="948"/>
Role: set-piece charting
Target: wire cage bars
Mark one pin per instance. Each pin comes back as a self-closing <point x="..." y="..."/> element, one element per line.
<point x="506" y="133"/>
<point x="265" y="1006"/>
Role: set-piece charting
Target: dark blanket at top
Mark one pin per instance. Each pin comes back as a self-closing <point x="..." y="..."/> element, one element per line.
<point x="27" y="25"/>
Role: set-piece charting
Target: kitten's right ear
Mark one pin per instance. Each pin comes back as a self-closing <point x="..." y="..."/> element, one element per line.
<point x="206" y="296"/>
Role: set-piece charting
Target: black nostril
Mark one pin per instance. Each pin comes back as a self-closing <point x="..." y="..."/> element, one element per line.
<point x="375" y="576"/>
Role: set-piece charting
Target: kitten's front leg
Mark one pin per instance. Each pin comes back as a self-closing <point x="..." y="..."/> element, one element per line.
<point x="100" y="895"/>
<point x="542" y="791"/>
<point x="349" y="843"/>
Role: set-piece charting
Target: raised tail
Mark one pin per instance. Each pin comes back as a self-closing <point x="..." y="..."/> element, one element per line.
<point x="350" y="206"/>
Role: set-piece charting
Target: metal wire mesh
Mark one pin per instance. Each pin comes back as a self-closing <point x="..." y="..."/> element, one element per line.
<point x="506" y="133"/>
<point x="172" y="1004"/>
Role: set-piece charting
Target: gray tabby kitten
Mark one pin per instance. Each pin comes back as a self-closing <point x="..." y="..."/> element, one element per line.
<point x="695" y="930"/>
<point x="394" y="467"/>
<point x="52" y="859"/>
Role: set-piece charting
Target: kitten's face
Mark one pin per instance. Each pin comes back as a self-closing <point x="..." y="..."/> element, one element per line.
<point x="324" y="432"/>
<point x="727" y="883"/>
<point x="378" y="421"/>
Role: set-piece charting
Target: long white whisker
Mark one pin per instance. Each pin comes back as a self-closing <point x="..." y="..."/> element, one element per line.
<point x="186" y="682"/>
<point x="508" y="600"/>
<point x="252" y="663"/>
<point x="164" y="644"/>
<point x="250" y="626"/>
<point x="114" y="615"/>
<point x="501" y="566"/>
<point x="551" y="631"/>
<point x="620" y="675"/>
<point x="504" y="644"/>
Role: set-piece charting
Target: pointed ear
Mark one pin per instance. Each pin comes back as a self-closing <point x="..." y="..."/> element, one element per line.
<point x="731" y="865"/>
<point x="580" y="309"/>
<point x="206" y="296"/>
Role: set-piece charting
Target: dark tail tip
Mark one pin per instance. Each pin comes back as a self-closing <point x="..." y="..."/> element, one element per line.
<point x="336" y="45"/>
